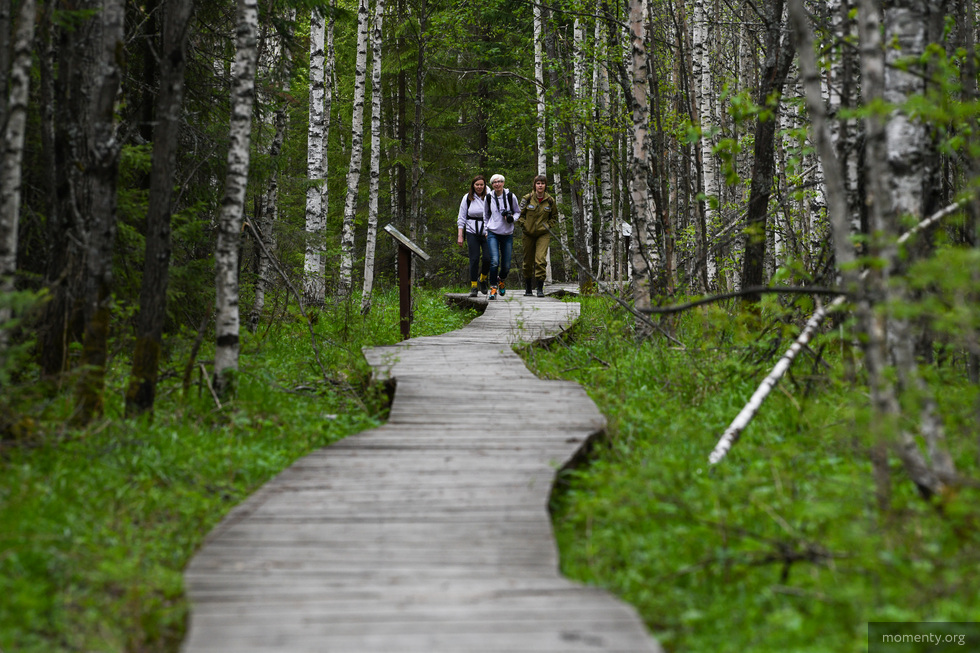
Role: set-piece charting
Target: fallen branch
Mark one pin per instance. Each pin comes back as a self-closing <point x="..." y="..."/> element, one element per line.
<point x="797" y="290"/>
<point x="742" y="420"/>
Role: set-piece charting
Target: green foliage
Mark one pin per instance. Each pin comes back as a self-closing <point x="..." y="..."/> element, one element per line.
<point x="96" y="526"/>
<point x="780" y="547"/>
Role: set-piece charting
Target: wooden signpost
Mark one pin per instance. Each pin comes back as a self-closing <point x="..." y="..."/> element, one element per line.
<point x="405" y="250"/>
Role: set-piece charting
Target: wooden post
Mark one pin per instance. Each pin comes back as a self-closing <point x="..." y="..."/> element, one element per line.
<point x="405" y="250"/>
<point x="405" y="289"/>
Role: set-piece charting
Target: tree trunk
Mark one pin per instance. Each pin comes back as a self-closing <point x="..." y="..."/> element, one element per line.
<point x="346" y="279"/>
<point x="569" y="149"/>
<point x="227" y="317"/>
<point x="314" y="290"/>
<point x="774" y="71"/>
<point x="421" y="68"/>
<point x="96" y="195"/>
<point x="542" y="146"/>
<point x="607" y="222"/>
<point x="15" y="114"/>
<point x="141" y="392"/>
<point x="372" y="228"/>
<point x="876" y="293"/>
<point x="265" y="221"/>
<point x="642" y="250"/>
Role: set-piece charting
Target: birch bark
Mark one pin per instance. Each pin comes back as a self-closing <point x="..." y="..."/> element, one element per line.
<point x="582" y="149"/>
<point x="877" y="291"/>
<point x="15" y="115"/>
<point x="607" y="222"/>
<point x="227" y="315"/>
<point x="372" y="226"/>
<point x="539" y="93"/>
<point x="346" y="278"/>
<point x="642" y="250"/>
<point x="314" y="291"/>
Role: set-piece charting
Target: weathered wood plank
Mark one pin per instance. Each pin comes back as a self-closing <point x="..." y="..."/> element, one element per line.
<point x="428" y="534"/>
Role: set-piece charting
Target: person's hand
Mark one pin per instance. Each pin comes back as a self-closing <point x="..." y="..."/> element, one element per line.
<point x="459" y="239"/>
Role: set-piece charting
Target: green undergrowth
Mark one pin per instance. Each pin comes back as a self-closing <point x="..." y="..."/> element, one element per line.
<point x="96" y="525"/>
<point x="781" y="546"/>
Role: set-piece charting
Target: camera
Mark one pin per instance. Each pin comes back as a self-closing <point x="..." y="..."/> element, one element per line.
<point x="507" y="215"/>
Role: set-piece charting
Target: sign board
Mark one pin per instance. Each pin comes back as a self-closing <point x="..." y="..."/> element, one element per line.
<point x="403" y="239"/>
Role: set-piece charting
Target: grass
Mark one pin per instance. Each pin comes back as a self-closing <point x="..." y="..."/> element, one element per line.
<point x="780" y="547"/>
<point x="97" y="525"/>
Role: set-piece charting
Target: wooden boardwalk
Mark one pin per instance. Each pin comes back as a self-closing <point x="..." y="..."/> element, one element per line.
<point x="429" y="534"/>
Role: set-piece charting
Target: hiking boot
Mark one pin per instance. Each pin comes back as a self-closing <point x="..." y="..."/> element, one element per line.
<point x="473" y="290"/>
<point x="529" y="288"/>
<point x="500" y="288"/>
<point x="541" y="289"/>
<point x="484" y="285"/>
<point x="493" y="293"/>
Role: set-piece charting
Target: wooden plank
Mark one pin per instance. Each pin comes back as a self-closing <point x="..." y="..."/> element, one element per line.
<point x="430" y="533"/>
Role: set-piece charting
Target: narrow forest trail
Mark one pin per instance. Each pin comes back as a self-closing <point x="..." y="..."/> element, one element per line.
<point x="429" y="534"/>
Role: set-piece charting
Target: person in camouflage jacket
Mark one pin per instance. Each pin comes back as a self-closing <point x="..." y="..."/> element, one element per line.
<point x="539" y="212"/>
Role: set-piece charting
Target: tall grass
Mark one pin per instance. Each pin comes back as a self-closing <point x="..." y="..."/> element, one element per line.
<point x="780" y="547"/>
<point x="97" y="525"/>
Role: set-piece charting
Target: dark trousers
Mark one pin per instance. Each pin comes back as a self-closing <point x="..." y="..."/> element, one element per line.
<point x="477" y="246"/>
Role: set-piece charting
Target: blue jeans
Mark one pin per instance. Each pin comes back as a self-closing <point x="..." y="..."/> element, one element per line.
<point x="501" y="249"/>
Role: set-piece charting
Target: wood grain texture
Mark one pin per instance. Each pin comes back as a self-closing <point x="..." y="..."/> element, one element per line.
<point x="429" y="534"/>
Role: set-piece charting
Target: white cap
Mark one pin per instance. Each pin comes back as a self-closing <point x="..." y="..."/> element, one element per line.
<point x="496" y="178"/>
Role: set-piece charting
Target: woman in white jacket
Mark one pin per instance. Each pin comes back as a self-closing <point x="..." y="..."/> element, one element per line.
<point x="502" y="210"/>
<point x="471" y="225"/>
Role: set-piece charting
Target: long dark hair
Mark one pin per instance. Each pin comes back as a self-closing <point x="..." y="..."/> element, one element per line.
<point x="473" y="186"/>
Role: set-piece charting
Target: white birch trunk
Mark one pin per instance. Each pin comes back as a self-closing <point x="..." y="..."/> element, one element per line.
<point x="908" y="147"/>
<point x="702" y="50"/>
<point x="642" y="248"/>
<point x="562" y="228"/>
<point x="583" y="151"/>
<point x="346" y="278"/>
<point x="884" y="215"/>
<point x="13" y="155"/>
<point x="314" y="291"/>
<point x="328" y="85"/>
<point x="540" y="95"/>
<point x="227" y="316"/>
<point x="607" y="221"/>
<point x="372" y="227"/>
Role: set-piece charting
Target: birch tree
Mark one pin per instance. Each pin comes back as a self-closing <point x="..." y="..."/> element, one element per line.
<point x="606" y="220"/>
<point x="701" y="46"/>
<point x="15" y="116"/>
<point x="372" y="227"/>
<point x="228" y="319"/>
<point x="539" y="92"/>
<point x="346" y="280"/>
<point x="313" y="282"/>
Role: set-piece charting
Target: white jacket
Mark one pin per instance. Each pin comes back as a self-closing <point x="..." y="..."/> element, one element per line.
<point x="496" y="203"/>
<point x="472" y="215"/>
